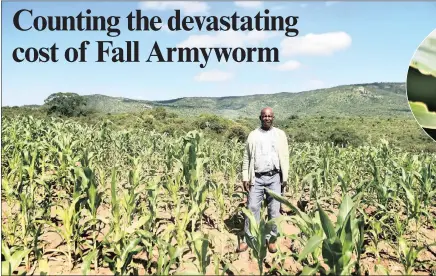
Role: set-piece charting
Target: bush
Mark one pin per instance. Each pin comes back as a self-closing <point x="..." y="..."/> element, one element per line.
<point x="160" y="113"/>
<point x="170" y="129"/>
<point x="65" y="104"/>
<point x="345" y="137"/>
<point x="302" y="136"/>
<point x="212" y="122"/>
<point x="148" y="123"/>
<point x="239" y="132"/>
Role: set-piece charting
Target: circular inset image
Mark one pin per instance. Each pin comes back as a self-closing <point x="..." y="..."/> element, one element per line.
<point x="421" y="85"/>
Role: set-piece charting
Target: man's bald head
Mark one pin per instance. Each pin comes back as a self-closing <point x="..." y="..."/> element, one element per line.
<point x="267" y="110"/>
<point x="266" y="117"/>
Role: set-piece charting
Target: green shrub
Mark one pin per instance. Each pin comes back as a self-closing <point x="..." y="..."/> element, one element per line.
<point x="345" y="137"/>
<point x="239" y="132"/>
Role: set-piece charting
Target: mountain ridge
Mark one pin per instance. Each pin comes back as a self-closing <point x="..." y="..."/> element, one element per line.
<point x="361" y="99"/>
<point x="387" y="98"/>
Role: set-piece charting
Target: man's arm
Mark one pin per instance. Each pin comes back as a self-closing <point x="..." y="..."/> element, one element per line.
<point x="246" y="161"/>
<point x="285" y="158"/>
<point x="246" y="165"/>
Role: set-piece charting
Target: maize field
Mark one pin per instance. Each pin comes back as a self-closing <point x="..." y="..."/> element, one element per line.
<point x="80" y="199"/>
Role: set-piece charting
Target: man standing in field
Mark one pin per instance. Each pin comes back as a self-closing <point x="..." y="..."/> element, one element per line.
<point x="265" y="165"/>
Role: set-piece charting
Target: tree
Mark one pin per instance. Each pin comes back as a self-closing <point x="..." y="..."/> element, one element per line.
<point x="212" y="122"/>
<point x="65" y="104"/>
<point x="239" y="132"/>
<point x="345" y="136"/>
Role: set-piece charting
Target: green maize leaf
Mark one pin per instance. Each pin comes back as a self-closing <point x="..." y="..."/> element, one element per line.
<point x="6" y="268"/>
<point x="176" y="252"/>
<point x="128" y="252"/>
<point x="358" y="233"/>
<point x="145" y="234"/>
<point x="347" y="245"/>
<point x="346" y="206"/>
<point x="275" y="221"/>
<point x="346" y="265"/>
<point x="201" y="245"/>
<point x="168" y="229"/>
<point x="307" y="270"/>
<point x="326" y="224"/>
<point x="253" y="223"/>
<point x="311" y="246"/>
<point x="424" y="117"/>
<point x="283" y="200"/>
<point x="13" y="262"/>
<point x="5" y="250"/>
<point x="381" y="269"/>
<point x="403" y="246"/>
<point x="332" y="252"/>
<point x="109" y="261"/>
<point x="44" y="268"/>
<point x="346" y="234"/>
<point x="261" y="241"/>
<point x="136" y="225"/>
<point x="87" y="261"/>
<point x="302" y="225"/>
<point x="409" y="194"/>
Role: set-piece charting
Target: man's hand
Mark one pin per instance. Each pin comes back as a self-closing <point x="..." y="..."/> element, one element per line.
<point x="246" y="186"/>
<point x="284" y="184"/>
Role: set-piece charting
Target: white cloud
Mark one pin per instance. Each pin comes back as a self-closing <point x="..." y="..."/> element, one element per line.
<point x="227" y="39"/>
<point x="288" y="66"/>
<point x="316" y="44"/>
<point x="249" y="4"/>
<point x="213" y="76"/>
<point x="192" y="7"/>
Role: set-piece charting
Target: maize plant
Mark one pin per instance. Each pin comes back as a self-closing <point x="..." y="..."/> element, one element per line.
<point x="258" y="231"/>
<point x="337" y="243"/>
<point x="409" y="254"/>
<point x="137" y="201"/>
<point x="12" y="258"/>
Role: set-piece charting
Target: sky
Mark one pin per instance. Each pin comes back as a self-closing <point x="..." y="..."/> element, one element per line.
<point x="338" y="43"/>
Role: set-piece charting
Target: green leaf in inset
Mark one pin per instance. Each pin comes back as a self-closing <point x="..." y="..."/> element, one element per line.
<point x="424" y="117"/>
<point x="425" y="57"/>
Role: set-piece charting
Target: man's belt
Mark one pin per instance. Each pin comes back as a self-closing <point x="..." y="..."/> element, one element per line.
<point x="270" y="173"/>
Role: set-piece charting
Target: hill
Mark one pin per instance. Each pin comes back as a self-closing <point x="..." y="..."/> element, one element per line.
<point x="374" y="99"/>
<point x="113" y="105"/>
<point x="370" y="99"/>
<point x="349" y="114"/>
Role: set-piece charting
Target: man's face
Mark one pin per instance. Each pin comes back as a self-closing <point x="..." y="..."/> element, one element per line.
<point x="267" y="118"/>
